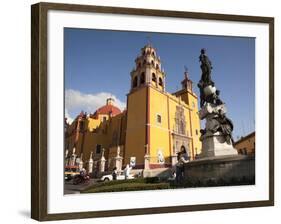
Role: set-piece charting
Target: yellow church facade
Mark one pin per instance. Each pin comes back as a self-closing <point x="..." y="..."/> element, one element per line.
<point x="148" y="134"/>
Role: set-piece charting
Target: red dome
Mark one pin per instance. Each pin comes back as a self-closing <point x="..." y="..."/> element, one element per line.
<point x="108" y="110"/>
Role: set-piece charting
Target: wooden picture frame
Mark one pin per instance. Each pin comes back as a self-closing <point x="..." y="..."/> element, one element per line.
<point x="39" y="109"/>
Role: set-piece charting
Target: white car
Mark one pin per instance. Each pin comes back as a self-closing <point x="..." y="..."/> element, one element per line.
<point x="120" y="176"/>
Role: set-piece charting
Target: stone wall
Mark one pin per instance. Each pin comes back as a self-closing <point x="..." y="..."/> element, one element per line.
<point x="216" y="169"/>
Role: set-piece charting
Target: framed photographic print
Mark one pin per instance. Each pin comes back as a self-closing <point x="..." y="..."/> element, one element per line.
<point x="139" y="111"/>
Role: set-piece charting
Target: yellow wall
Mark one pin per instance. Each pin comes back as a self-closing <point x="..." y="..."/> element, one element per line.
<point x="136" y="120"/>
<point x="93" y="123"/>
<point x="189" y="102"/>
<point x="97" y="132"/>
<point x="159" y="132"/>
<point x="193" y="103"/>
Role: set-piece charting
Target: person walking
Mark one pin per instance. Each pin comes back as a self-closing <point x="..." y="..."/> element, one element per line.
<point x="114" y="173"/>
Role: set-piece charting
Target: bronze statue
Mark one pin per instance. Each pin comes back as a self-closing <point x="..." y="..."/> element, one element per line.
<point x="206" y="67"/>
<point x="209" y="94"/>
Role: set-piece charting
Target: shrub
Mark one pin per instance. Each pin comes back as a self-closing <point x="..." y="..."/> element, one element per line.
<point x="221" y="182"/>
<point x="211" y="182"/>
<point x="152" y="180"/>
<point x="149" y="180"/>
<point x="127" y="187"/>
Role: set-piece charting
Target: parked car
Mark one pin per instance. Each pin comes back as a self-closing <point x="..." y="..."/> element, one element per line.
<point x="120" y="176"/>
<point x="70" y="172"/>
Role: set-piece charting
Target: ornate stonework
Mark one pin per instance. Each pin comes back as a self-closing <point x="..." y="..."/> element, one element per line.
<point x="180" y="121"/>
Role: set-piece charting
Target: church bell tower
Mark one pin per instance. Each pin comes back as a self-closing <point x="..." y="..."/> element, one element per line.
<point x="186" y="83"/>
<point x="147" y="70"/>
<point x="146" y="75"/>
<point x="186" y="92"/>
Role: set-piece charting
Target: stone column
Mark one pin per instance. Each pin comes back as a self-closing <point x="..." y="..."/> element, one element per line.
<point x="66" y="153"/>
<point x="102" y="164"/>
<point x="66" y="158"/>
<point x="91" y="163"/>
<point x="118" y="163"/>
<point x="80" y="164"/>
<point x="164" y="83"/>
<point x="174" y="159"/>
<point x="146" y="162"/>
<point x="73" y="157"/>
<point x="148" y="75"/>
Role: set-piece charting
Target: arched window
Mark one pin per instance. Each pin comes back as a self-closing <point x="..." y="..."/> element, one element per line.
<point x="135" y="82"/>
<point x="152" y="62"/>
<point x="144" y="62"/>
<point x="139" y="65"/>
<point x="157" y="66"/>
<point x="153" y="53"/>
<point x="142" y="78"/>
<point x="154" y="77"/>
<point x="160" y="81"/>
<point x="143" y="53"/>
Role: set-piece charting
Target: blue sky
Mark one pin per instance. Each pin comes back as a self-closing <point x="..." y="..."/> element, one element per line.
<point x="98" y="65"/>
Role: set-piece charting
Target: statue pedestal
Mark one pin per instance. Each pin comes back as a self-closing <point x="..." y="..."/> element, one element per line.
<point x="221" y="169"/>
<point x="214" y="141"/>
<point x="215" y="145"/>
<point x="90" y="166"/>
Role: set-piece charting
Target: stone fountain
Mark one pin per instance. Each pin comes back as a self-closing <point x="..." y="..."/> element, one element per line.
<point x="219" y="160"/>
<point x="216" y="138"/>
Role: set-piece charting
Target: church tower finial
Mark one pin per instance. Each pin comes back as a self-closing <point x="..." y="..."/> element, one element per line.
<point x="148" y="70"/>
<point x="109" y="101"/>
<point x="148" y="40"/>
<point x="185" y="72"/>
